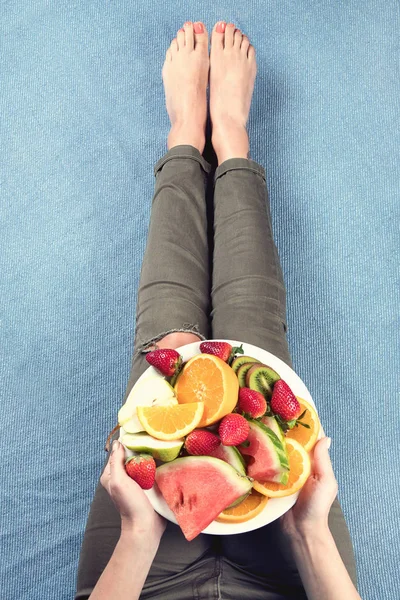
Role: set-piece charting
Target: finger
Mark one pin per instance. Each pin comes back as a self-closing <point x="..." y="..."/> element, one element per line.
<point x="105" y="477"/>
<point x="322" y="465"/>
<point x="117" y="462"/>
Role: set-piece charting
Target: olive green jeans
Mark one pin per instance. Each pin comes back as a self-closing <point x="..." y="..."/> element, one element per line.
<point x="234" y="292"/>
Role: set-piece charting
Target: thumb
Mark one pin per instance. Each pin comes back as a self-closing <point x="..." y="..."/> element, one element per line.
<point x="117" y="460"/>
<point x="322" y="466"/>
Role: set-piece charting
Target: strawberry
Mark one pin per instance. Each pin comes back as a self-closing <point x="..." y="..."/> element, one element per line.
<point x="166" y="360"/>
<point x="223" y="350"/>
<point x="284" y="403"/>
<point x="252" y="403"/>
<point x="233" y="429"/>
<point x="201" y="442"/>
<point x="142" y="469"/>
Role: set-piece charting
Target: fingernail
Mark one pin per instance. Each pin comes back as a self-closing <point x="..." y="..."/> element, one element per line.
<point x="328" y="443"/>
<point x="221" y="27"/>
<point x="115" y="445"/>
<point x="198" y="28"/>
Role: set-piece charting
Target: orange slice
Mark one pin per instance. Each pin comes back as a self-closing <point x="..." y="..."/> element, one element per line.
<point x="300" y="469"/>
<point x="170" y="422"/>
<point x="246" y="510"/>
<point x="306" y="437"/>
<point x="207" y="378"/>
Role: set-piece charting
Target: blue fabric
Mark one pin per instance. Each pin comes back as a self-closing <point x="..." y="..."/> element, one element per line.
<point x="82" y="123"/>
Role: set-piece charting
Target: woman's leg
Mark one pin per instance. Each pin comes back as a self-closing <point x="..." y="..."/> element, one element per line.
<point x="248" y="292"/>
<point x="172" y="310"/>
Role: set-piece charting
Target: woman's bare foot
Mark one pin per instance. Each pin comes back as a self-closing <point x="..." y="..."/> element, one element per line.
<point x="185" y="76"/>
<point x="233" y="72"/>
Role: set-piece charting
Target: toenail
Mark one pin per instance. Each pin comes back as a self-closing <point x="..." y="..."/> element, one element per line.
<point x="221" y="27"/>
<point x="188" y="23"/>
<point x="198" y="28"/>
<point x="231" y="25"/>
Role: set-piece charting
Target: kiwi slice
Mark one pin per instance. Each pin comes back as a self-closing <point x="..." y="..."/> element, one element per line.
<point x="243" y="370"/>
<point x="262" y="378"/>
<point x="241" y="360"/>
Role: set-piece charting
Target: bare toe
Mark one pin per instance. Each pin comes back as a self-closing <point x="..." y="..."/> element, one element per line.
<point x="174" y="47"/>
<point x="218" y="34"/>
<point x="180" y="36"/>
<point x="229" y="35"/>
<point x="245" y="44"/>
<point x="237" y="39"/>
<point x="200" y="35"/>
<point x="189" y="35"/>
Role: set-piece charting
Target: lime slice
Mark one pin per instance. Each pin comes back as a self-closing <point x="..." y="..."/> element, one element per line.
<point x="161" y="450"/>
<point x="148" y="392"/>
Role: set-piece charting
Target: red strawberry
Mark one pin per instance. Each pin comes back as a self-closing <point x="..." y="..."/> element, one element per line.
<point x="233" y="429"/>
<point x="165" y="360"/>
<point x="142" y="469"/>
<point x="221" y="349"/>
<point x="201" y="442"/>
<point x="252" y="403"/>
<point x="284" y="403"/>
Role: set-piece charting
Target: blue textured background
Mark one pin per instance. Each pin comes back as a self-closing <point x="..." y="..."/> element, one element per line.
<point x="82" y="123"/>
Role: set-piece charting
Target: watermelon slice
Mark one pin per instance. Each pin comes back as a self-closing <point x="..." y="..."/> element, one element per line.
<point x="273" y="424"/>
<point x="198" y="488"/>
<point x="232" y="456"/>
<point x="268" y="459"/>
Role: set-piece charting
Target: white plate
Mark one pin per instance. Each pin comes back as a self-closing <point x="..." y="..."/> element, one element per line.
<point x="275" y="507"/>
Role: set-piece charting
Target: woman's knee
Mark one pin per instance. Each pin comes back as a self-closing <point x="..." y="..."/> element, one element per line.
<point x="177" y="339"/>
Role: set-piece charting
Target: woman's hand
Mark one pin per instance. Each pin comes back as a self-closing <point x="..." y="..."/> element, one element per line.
<point x="137" y="514"/>
<point x="315" y="499"/>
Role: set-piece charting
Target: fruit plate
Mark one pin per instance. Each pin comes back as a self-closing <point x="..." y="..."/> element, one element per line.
<point x="275" y="507"/>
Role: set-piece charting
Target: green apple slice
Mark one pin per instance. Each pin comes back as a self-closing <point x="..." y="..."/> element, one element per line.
<point x="142" y="442"/>
<point x="148" y="392"/>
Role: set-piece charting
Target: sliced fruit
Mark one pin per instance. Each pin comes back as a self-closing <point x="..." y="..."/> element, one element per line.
<point x="262" y="379"/>
<point x="198" y="488"/>
<point x="147" y="392"/>
<point x="306" y="437"/>
<point x="170" y="422"/>
<point x="241" y="360"/>
<point x="242" y="373"/>
<point x="273" y="424"/>
<point x="268" y="460"/>
<point x="207" y="378"/>
<point x="300" y="469"/>
<point x="159" y="449"/>
<point x="232" y="456"/>
<point x="249" y="508"/>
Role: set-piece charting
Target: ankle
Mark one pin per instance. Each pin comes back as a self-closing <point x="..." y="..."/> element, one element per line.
<point x="184" y="134"/>
<point x="230" y="140"/>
